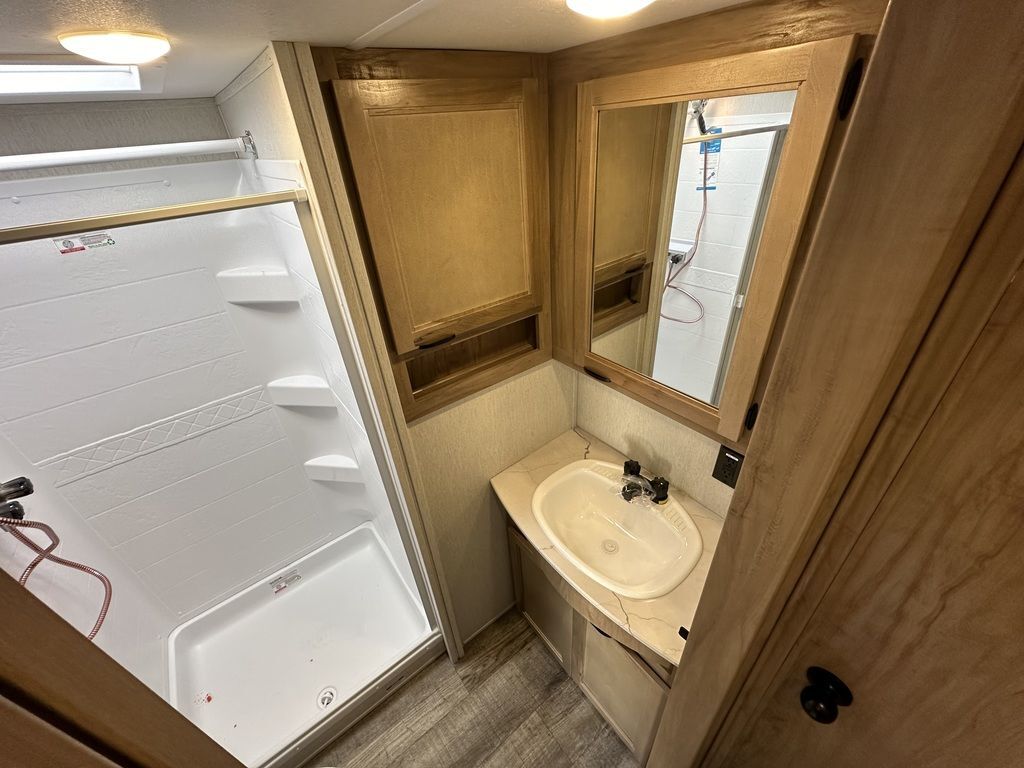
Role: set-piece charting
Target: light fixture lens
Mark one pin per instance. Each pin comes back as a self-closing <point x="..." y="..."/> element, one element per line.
<point x="607" y="9"/>
<point x="116" y="47"/>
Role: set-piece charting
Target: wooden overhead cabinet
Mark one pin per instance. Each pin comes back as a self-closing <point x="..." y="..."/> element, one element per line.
<point x="450" y="179"/>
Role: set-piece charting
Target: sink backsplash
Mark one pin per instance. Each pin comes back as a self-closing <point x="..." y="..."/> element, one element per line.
<point x="662" y="445"/>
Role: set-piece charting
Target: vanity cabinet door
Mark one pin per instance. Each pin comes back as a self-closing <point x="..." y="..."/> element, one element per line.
<point x="546" y="610"/>
<point x="452" y="183"/>
<point x="623" y="688"/>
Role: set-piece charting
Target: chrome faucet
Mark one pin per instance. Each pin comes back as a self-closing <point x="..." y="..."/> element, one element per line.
<point x="637" y="487"/>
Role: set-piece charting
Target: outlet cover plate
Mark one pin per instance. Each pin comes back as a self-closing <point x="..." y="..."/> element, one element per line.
<point x="727" y="466"/>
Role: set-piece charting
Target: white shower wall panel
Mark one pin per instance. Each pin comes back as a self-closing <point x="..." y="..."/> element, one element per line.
<point x="156" y="428"/>
<point x="291" y="243"/>
<point x="136" y="627"/>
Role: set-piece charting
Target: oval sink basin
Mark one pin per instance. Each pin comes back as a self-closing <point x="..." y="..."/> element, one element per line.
<point x="639" y="550"/>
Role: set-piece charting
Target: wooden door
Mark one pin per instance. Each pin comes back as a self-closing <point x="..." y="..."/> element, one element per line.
<point x="51" y="671"/>
<point x="924" y="619"/>
<point x="28" y="742"/>
<point x="450" y="175"/>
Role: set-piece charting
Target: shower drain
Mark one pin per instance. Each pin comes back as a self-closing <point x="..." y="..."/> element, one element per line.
<point x="326" y="697"/>
<point x="610" y="546"/>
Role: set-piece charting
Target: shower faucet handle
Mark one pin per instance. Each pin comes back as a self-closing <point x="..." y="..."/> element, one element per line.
<point x="12" y="510"/>
<point x="17" y="488"/>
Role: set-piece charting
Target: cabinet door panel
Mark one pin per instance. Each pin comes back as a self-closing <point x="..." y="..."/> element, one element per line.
<point x="628" y="694"/>
<point x="450" y="180"/>
<point x="549" y="614"/>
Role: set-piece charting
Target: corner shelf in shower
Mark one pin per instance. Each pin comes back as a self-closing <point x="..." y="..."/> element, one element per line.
<point x="258" y="285"/>
<point x="334" y="468"/>
<point x="301" y="391"/>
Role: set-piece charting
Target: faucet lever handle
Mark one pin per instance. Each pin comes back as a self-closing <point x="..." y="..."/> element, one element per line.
<point x="16" y="489"/>
<point x="660" y="487"/>
<point x="631" y="467"/>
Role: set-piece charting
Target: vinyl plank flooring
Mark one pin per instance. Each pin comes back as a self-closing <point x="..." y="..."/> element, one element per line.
<point x="399" y="721"/>
<point x="607" y="753"/>
<point x="531" y="745"/>
<point x="507" y="704"/>
<point x="573" y="722"/>
<point x="495" y="645"/>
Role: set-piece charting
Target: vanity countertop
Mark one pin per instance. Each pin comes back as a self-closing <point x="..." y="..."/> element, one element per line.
<point x="653" y="622"/>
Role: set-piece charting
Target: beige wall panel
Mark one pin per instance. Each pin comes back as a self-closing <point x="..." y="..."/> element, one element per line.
<point x="661" y="444"/>
<point x="457" y="451"/>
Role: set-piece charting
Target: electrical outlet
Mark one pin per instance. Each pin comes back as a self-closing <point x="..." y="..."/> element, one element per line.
<point x="727" y="467"/>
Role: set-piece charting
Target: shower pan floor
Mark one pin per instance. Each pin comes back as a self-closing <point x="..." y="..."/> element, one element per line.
<point x="262" y="668"/>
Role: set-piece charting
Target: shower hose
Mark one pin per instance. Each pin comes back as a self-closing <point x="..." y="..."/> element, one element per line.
<point x="12" y="525"/>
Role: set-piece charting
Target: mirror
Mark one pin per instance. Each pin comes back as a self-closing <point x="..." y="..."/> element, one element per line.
<point x="680" y="197"/>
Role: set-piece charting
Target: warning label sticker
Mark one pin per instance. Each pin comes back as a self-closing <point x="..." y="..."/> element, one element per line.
<point x="709" y="158"/>
<point x="83" y="242"/>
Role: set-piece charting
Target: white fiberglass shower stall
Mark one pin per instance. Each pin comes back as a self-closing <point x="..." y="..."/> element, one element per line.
<point x="174" y="387"/>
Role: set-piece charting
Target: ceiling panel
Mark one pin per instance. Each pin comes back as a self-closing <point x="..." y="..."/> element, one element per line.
<point x="213" y="40"/>
<point x="527" y="25"/>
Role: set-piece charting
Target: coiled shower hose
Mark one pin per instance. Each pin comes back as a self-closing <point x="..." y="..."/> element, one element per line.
<point x="46" y="553"/>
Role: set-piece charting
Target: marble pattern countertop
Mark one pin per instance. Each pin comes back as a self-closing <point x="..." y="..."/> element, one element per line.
<point x="653" y="622"/>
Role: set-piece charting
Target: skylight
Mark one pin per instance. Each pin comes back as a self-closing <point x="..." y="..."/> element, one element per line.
<point x="29" y="79"/>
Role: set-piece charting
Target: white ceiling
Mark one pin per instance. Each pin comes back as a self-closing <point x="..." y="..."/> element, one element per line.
<point x="213" y="40"/>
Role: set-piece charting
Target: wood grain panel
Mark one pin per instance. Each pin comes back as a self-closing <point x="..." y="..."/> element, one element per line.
<point x="445" y="170"/>
<point x="414" y="63"/>
<point x="48" y="667"/>
<point x="816" y="70"/>
<point x="995" y="258"/>
<point x="920" y="621"/>
<point x="876" y="272"/>
<point x="752" y="27"/>
<point x="632" y="144"/>
<point x="29" y="742"/>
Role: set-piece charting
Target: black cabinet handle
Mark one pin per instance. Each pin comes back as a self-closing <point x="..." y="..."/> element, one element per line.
<point x="824" y="695"/>
<point x="595" y="375"/>
<point x="600" y="631"/>
<point x="438" y="343"/>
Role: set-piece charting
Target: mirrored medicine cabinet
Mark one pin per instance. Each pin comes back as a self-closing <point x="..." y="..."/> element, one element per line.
<point x="694" y="182"/>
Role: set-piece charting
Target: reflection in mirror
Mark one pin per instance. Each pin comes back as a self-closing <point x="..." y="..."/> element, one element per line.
<point x="681" y="194"/>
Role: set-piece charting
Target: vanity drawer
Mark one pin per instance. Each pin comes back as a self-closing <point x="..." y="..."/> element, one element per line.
<point x="627" y="692"/>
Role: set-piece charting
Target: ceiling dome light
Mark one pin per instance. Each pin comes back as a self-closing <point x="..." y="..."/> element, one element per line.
<point x="607" y="9"/>
<point x="116" y="47"/>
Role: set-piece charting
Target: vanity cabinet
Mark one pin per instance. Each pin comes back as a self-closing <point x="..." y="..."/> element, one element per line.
<point x="627" y="688"/>
<point x="622" y="687"/>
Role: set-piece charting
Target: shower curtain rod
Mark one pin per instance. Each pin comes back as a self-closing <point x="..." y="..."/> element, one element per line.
<point x="243" y="144"/>
<point x="731" y="134"/>
<point x="58" y="229"/>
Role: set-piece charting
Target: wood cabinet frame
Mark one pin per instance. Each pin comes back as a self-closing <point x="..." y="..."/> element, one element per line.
<point x="358" y="102"/>
<point x="816" y="72"/>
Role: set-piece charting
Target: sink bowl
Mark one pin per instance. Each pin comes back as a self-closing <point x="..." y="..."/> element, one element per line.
<point x="638" y="550"/>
